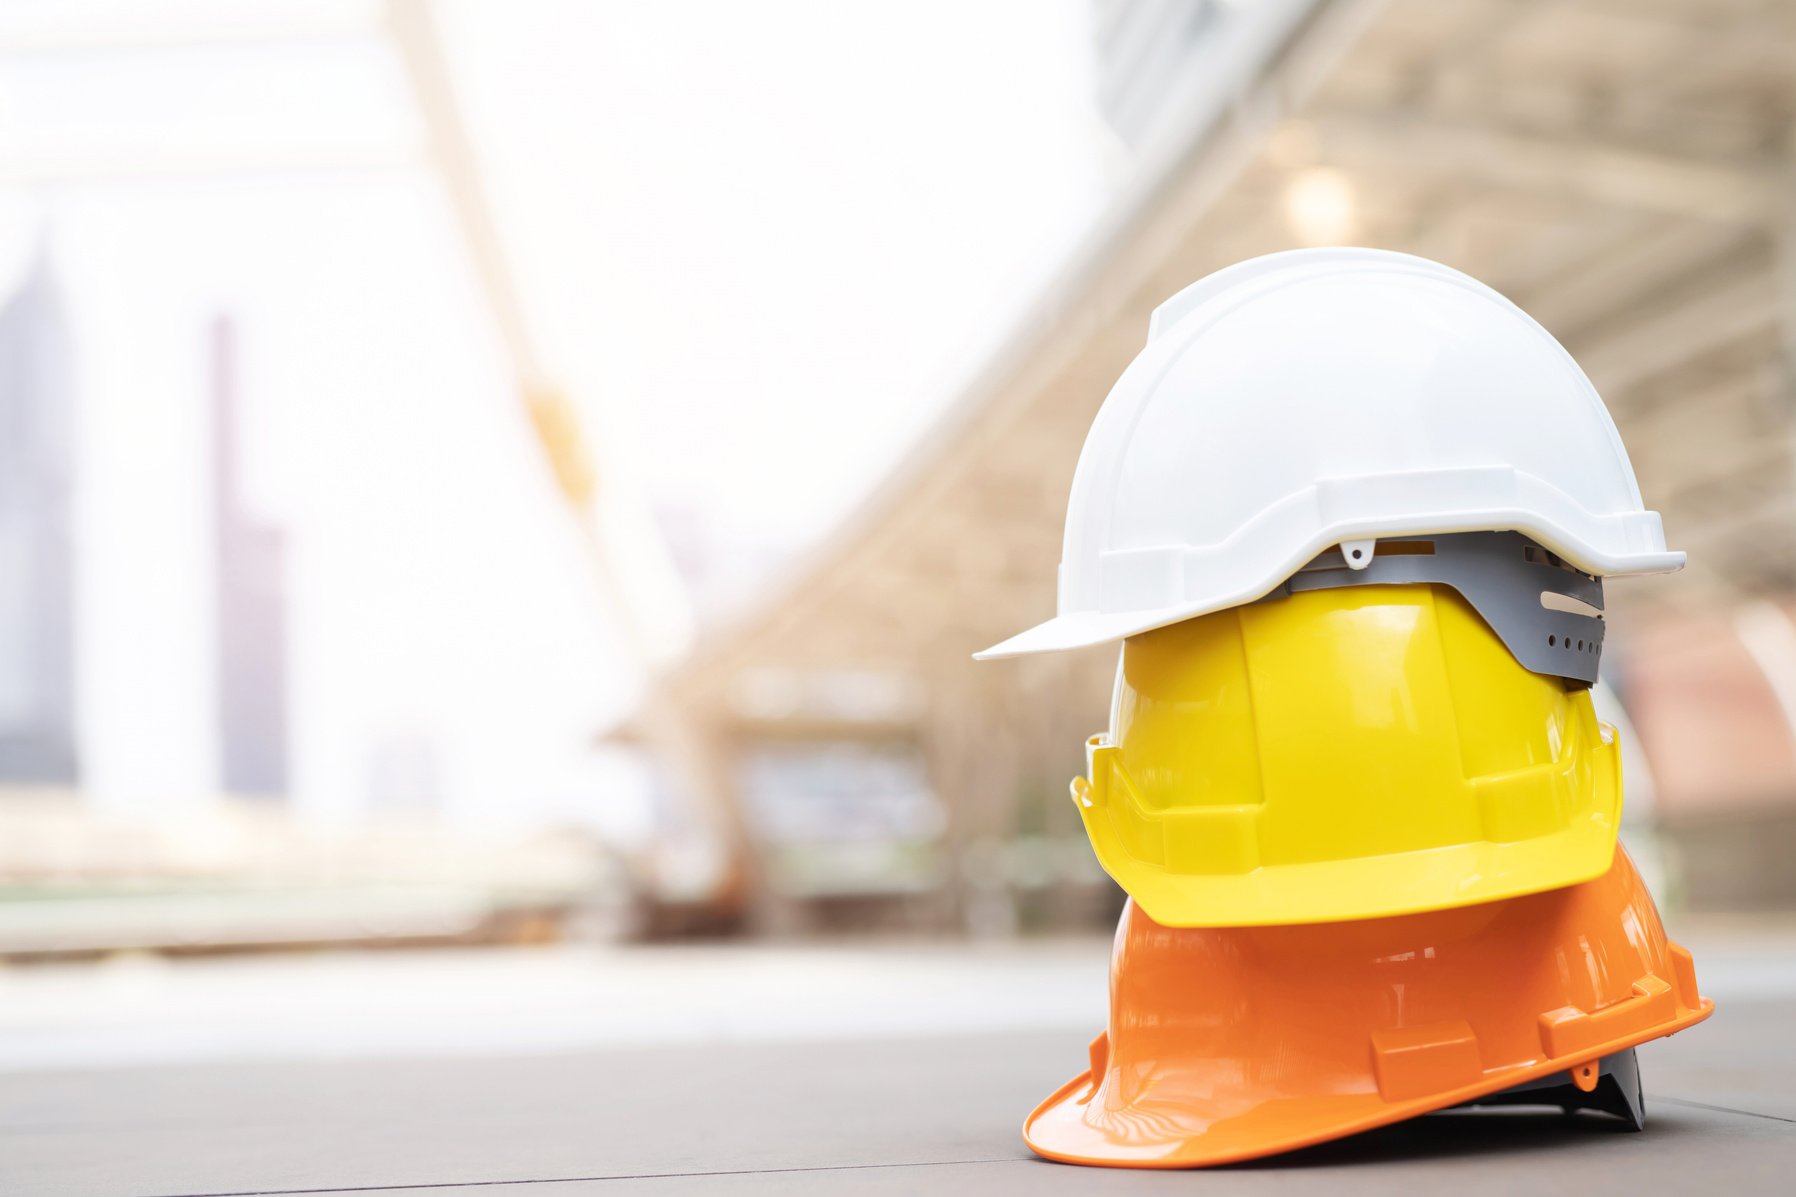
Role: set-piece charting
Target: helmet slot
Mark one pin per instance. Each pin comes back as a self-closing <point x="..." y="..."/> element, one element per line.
<point x="1547" y="614"/>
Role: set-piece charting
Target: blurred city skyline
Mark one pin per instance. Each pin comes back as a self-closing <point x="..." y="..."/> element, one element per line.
<point x="749" y="349"/>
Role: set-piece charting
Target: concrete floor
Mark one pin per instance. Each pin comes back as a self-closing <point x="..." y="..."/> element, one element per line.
<point x="531" y="1075"/>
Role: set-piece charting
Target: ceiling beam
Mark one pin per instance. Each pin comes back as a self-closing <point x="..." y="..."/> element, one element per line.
<point x="1587" y="289"/>
<point x="1719" y="190"/>
<point x="1680" y="328"/>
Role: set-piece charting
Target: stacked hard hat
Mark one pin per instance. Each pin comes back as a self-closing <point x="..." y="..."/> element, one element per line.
<point x="1350" y="513"/>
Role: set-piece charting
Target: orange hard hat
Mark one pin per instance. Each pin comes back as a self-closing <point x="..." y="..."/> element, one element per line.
<point x="1227" y="1043"/>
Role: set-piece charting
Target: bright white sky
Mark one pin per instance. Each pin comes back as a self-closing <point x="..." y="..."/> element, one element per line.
<point x="763" y="245"/>
<point x="775" y="235"/>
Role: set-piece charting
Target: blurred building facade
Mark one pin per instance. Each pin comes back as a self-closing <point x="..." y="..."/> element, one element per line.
<point x="1151" y="53"/>
<point x="140" y="568"/>
<point x="252" y="602"/>
<point x="37" y="587"/>
<point x="1621" y="172"/>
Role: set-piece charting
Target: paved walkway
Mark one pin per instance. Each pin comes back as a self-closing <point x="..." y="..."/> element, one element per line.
<point x="744" y="1070"/>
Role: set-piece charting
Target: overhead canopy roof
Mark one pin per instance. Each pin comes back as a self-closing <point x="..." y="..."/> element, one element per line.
<point x="1621" y="170"/>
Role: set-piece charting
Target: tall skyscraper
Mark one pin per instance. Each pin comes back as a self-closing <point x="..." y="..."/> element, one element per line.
<point x="1148" y="52"/>
<point x="252" y="603"/>
<point x="37" y="682"/>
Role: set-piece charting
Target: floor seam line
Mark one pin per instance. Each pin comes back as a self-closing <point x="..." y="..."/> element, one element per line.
<point x="568" y="1180"/>
<point x="1703" y="1105"/>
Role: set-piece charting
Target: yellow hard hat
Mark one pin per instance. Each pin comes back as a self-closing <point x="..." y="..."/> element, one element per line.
<point x="1344" y="754"/>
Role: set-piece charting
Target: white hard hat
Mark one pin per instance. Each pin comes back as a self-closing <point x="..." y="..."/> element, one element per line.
<point x="1327" y="397"/>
